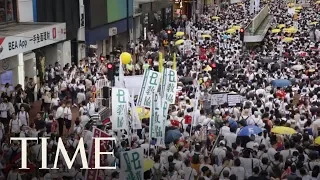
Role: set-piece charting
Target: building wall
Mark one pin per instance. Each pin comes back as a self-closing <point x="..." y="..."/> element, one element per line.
<point x="60" y="52"/>
<point x="25" y="10"/>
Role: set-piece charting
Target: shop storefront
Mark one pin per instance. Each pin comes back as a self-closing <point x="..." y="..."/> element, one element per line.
<point x="20" y="45"/>
<point x="145" y="19"/>
<point x="109" y="25"/>
<point x="158" y="16"/>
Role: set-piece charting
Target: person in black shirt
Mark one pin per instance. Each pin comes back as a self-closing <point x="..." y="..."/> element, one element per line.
<point x="40" y="123"/>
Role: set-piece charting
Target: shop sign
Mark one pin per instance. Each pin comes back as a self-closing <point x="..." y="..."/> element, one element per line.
<point x="27" y="41"/>
<point x="113" y="31"/>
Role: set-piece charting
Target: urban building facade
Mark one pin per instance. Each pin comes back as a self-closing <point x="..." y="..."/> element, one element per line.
<point x="26" y="45"/>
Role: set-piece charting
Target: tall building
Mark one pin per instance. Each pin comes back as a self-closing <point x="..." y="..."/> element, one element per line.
<point x="29" y="43"/>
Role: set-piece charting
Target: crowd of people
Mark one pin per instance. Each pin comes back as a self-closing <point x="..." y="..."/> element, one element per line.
<point x="278" y="79"/>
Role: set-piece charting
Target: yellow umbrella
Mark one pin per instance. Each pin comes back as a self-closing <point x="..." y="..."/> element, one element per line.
<point x="236" y="27"/>
<point x="287" y="39"/>
<point x="281" y="26"/>
<point x="283" y="130"/>
<point x="299" y="7"/>
<point x="215" y="17"/>
<point x="291" y="4"/>
<point x="297" y="10"/>
<point x="275" y="30"/>
<point x="208" y="68"/>
<point x="143" y="113"/>
<point x="318" y="2"/>
<point x="180" y="34"/>
<point x="231" y="31"/>
<point x="311" y="70"/>
<point x="147" y="164"/>
<point x="206" y="36"/>
<point x="179" y="42"/>
<point x="317" y="141"/>
<point x="314" y="23"/>
<point x="290" y="30"/>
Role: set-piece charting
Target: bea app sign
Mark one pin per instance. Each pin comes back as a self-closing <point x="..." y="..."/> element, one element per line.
<point x="27" y="41"/>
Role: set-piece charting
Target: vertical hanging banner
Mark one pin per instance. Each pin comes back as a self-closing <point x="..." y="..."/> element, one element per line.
<point x="150" y="85"/>
<point x="160" y="62"/>
<point x="120" y="106"/>
<point x="156" y="120"/>
<point x="136" y="123"/>
<point x="169" y="85"/>
<point x="174" y="67"/>
<point x="132" y="165"/>
<point x="92" y="174"/>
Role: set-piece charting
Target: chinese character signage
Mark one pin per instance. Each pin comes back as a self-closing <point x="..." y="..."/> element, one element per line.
<point x="120" y="105"/>
<point x="92" y="174"/>
<point x="29" y="40"/>
<point x="169" y="85"/>
<point x="131" y="163"/>
<point x="156" y="120"/>
<point x="150" y="84"/>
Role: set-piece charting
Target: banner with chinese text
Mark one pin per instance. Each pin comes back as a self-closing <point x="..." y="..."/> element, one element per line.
<point x="92" y="174"/>
<point x="169" y="85"/>
<point x="131" y="163"/>
<point x="150" y="85"/>
<point x="156" y="120"/>
<point x="120" y="107"/>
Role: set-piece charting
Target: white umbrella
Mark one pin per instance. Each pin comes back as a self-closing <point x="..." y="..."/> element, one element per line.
<point x="297" y="67"/>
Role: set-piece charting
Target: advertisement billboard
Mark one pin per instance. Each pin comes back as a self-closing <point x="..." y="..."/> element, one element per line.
<point x="117" y="9"/>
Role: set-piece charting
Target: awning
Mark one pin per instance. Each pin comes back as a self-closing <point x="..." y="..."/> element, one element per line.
<point x="22" y="37"/>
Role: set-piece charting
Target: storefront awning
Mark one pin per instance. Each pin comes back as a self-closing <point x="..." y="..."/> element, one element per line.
<point x="22" y="37"/>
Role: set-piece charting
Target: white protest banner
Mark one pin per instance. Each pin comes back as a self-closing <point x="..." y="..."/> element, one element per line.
<point x="150" y="84"/>
<point x="219" y="99"/>
<point x="136" y="123"/>
<point x="169" y="85"/>
<point x="131" y="163"/>
<point x="120" y="107"/>
<point x="156" y="120"/>
<point x="234" y="99"/>
<point x="187" y="46"/>
<point x="93" y="173"/>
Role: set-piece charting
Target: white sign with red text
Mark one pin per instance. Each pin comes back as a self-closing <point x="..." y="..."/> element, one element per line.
<point x="30" y="40"/>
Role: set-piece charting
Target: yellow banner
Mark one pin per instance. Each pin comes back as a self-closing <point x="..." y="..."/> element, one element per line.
<point x="174" y="61"/>
<point x="160" y="62"/>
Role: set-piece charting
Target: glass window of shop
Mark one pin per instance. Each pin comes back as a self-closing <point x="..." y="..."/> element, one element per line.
<point x="7" y="11"/>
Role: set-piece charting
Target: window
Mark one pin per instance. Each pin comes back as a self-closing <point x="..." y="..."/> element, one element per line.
<point x="7" y="11"/>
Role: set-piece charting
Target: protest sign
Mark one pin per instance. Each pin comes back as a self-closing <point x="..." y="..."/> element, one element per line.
<point x="219" y="99"/>
<point x="150" y="84"/>
<point x="120" y="105"/>
<point x="156" y="120"/>
<point x="234" y="99"/>
<point x="92" y="174"/>
<point x="169" y="85"/>
<point x="136" y="123"/>
<point x="131" y="165"/>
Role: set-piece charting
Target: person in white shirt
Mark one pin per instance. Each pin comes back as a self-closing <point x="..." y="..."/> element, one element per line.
<point x="23" y="116"/>
<point x="60" y="117"/>
<point x="55" y="101"/>
<point x="2" y="131"/>
<point x="238" y="170"/>
<point x="67" y="117"/>
<point x="4" y="111"/>
<point x="81" y="96"/>
<point x="220" y="152"/>
<point x="91" y="107"/>
<point x="15" y="125"/>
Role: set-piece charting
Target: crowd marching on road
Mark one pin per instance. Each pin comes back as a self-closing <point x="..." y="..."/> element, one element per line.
<point x="237" y="114"/>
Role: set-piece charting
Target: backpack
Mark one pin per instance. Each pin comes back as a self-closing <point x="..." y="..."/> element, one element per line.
<point x="14" y="153"/>
<point x="157" y="173"/>
<point x="276" y="171"/>
<point x="264" y="171"/>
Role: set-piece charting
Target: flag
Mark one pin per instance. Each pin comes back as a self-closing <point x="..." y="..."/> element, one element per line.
<point x="160" y="62"/>
<point x="174" y="61"/>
